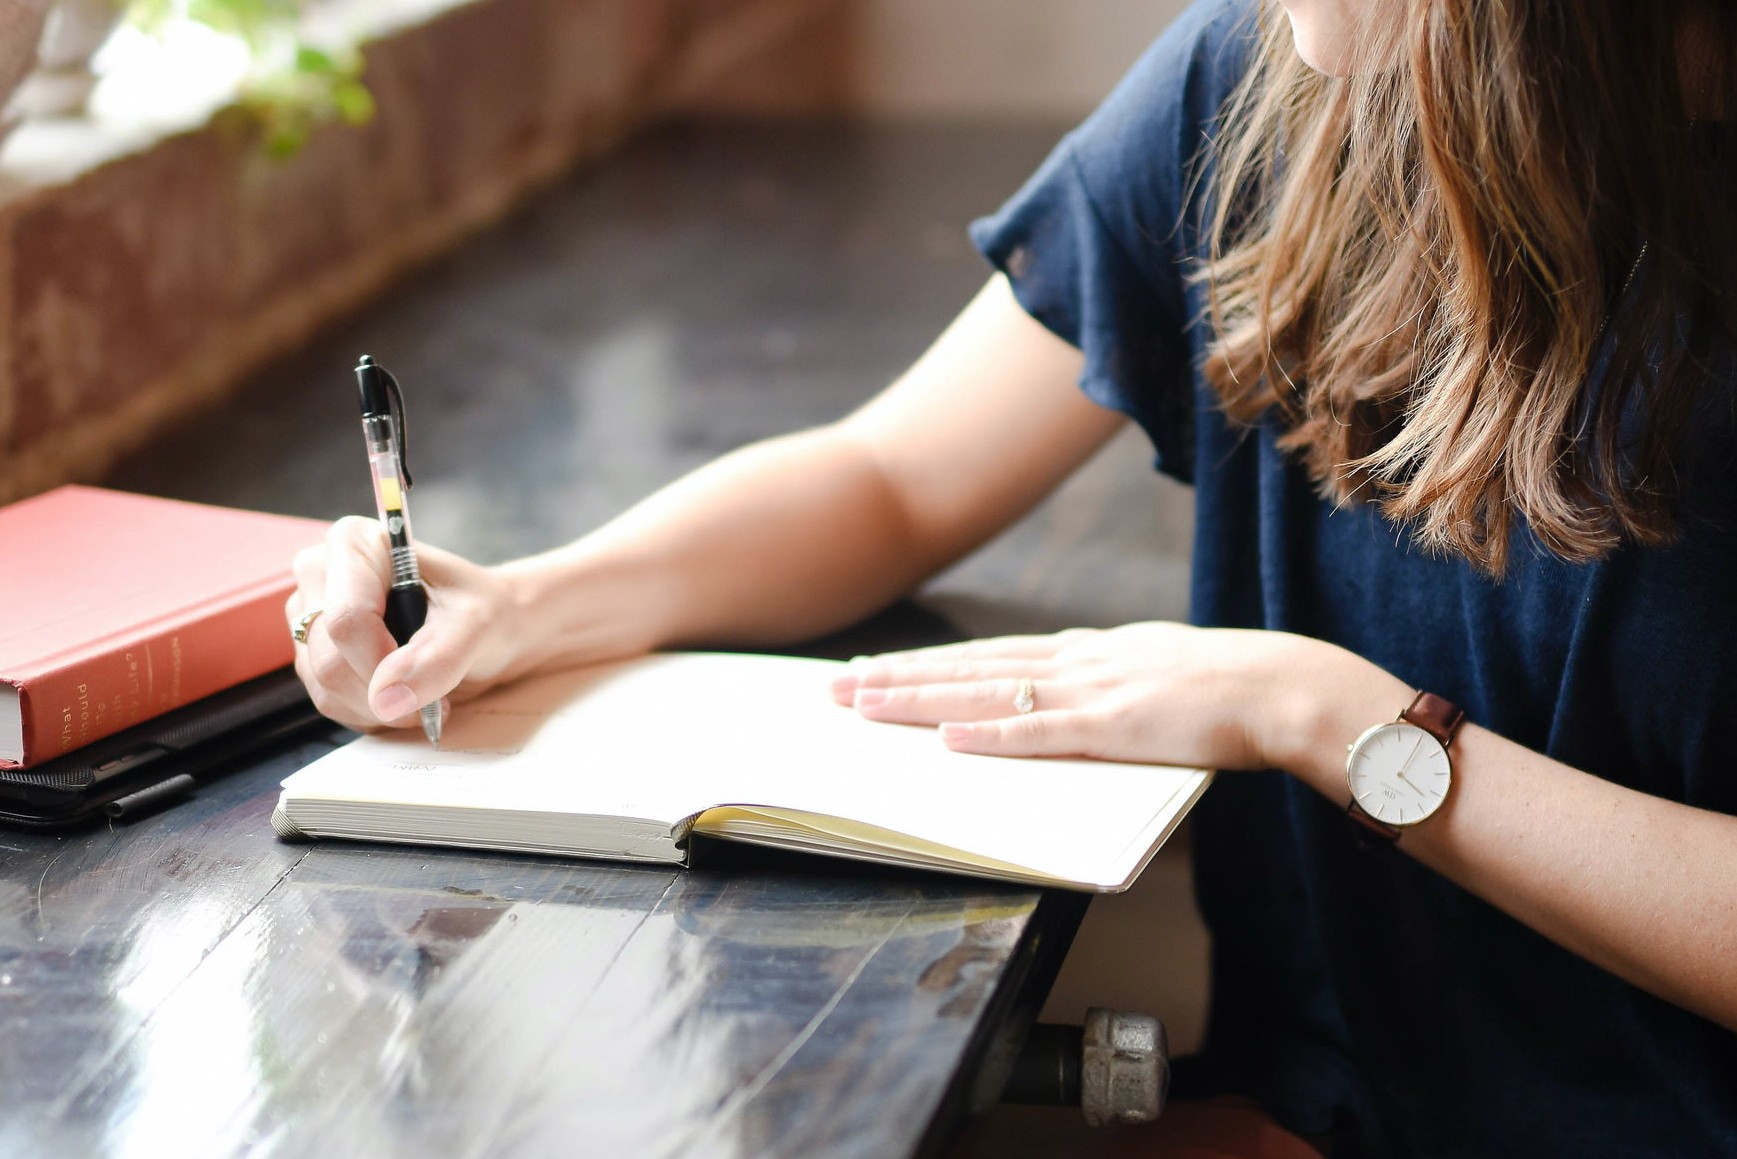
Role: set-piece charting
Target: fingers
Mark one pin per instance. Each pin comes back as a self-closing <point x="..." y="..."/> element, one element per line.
<point x="358" y="566"/>
<point x="466" y="603"/>
<point x="994" y="647"/>
<point x="440" y="656"/>
<point x="1015" y="656"/>
<point x="1007" y="696"/>
<point x="431" y="665"/>
<point x="348" y="641"/>
<point x="966" y="700"/>
<point x="439" y="568"/>
<point x="411" y="718"/>
<point x="1038" y="734"/>
<point x="345" y="580"/>
<point x="999" y="697"/>
<point x="869" y="675"/>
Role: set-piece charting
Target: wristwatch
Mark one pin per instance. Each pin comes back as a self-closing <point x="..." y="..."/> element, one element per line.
<point x="1399" y="771"/>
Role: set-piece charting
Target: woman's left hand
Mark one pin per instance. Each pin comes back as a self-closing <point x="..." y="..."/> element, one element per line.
<point x="1161" y="693"/>
<point x="1637" y="884"/>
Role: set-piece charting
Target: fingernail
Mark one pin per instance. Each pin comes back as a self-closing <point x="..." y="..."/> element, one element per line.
<point x="394" y="701"/>
<point x="871" y="697"/>
<point x="953" y="732"/>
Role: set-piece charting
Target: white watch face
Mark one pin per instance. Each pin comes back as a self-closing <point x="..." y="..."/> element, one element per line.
<point x="1399" y="773"/>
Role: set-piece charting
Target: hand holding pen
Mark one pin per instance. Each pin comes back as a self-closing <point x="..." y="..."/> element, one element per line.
<point x="383" y="429"/>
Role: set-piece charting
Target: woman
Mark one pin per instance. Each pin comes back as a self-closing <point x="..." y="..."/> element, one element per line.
<point x="1429" y="300"/>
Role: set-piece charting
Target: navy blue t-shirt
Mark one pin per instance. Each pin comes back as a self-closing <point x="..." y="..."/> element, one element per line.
<point x="1354" y="988"/>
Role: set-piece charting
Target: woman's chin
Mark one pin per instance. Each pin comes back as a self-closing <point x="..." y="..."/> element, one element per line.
<point x="1326" y="54"/>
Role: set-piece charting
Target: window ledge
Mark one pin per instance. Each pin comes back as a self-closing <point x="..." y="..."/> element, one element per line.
<point x="146" y="267"/>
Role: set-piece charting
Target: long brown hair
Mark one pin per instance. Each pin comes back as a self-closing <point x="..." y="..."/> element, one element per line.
<point x="1415" y="266"/>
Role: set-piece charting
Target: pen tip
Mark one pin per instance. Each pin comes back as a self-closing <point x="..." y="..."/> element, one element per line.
<point x="431" y="724"/>
<point x="367" y="360"/>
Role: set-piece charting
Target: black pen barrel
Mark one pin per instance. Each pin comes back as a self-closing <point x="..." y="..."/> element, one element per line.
<point x="406" y="610"/>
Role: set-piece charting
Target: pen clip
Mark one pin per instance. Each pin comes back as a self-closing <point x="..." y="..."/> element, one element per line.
<point x="395" y="407"/>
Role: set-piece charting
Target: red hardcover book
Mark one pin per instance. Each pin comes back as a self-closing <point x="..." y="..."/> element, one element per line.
<point x="115" y="608"/>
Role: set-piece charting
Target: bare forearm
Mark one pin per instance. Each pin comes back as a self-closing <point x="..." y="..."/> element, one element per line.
<point x="777" y="542"/>
<point x="1637" y="884"/>
<point x="1640" y="885"/>
<point x="794" y="537"/>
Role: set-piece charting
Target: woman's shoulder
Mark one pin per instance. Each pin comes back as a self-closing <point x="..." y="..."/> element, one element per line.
<point x="1145" y="152"/>
<point x="1192" y="66"/>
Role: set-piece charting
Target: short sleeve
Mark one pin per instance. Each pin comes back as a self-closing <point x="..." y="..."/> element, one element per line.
<point x="1100" y="242"/>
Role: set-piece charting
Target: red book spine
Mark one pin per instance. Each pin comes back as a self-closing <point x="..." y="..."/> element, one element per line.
<point x="96" y="691"/>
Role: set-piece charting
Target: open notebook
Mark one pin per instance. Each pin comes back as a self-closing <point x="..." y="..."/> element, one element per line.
<point x="624" y="761"/>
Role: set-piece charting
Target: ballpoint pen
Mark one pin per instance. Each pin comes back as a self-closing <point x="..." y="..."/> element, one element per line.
<point x="383" y="429"/>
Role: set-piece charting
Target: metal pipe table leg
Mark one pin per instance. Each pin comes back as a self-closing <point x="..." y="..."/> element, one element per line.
<point x="1116" y="1067"/>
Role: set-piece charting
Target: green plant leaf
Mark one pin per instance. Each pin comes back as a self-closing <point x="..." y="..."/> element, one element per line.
<point x="293" y="86"/>
<point x="313" y="60"/>
<point x="355" y="103"/>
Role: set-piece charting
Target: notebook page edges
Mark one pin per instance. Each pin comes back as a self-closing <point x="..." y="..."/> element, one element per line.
<point x="512" y="831"/>
<point x="792" y="829"/>
<point x="842" y="836"/>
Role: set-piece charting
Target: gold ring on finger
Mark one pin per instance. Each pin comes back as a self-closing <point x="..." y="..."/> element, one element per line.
<point x="1025" y="696"/>
<point x="299" y="633"/>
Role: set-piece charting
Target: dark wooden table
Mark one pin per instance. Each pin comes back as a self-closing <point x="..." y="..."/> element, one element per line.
<point x="187" y="985"/>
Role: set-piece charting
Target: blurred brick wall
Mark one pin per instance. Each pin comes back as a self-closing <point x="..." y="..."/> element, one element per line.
<point x="141" y="288"/>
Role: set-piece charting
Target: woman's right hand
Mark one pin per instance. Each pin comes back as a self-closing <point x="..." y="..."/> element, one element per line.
<point x="354" y="671"/>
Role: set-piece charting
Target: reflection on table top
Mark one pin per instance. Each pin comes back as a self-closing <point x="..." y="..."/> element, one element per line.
<point x="188" y="985"/>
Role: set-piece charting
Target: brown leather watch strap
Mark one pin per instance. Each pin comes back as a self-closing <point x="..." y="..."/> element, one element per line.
<point x="1371" y="831"/>
<point x="1439" y="717"/>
